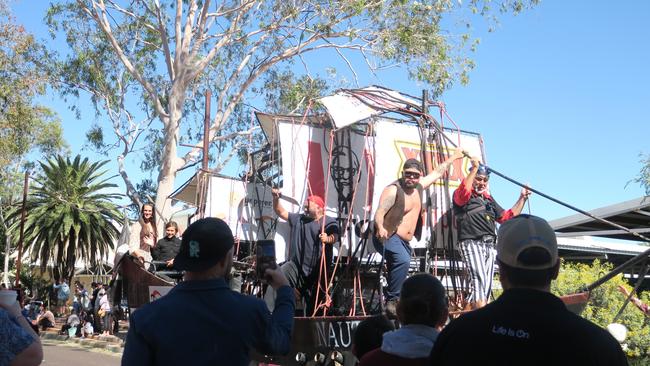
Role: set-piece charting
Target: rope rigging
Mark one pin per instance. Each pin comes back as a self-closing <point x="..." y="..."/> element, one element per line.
<point x="345" y="168"/>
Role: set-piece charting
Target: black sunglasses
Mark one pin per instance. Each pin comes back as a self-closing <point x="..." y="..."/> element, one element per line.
<point x="411" y="175"/>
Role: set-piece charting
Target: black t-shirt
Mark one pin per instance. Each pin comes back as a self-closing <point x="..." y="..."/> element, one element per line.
<point x="95" y="299"/>
<point x="525" y="327"/>
<point x="305" y="248"/>
<point x="166" y="249"/>
<point x="477" y="217"/>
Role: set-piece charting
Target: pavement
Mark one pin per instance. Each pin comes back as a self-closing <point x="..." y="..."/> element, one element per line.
<point x="56" y="353"/>
<point x="112" y="343"/>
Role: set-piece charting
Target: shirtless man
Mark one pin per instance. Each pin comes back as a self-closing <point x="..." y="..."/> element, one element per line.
<point x="398" y="218"/>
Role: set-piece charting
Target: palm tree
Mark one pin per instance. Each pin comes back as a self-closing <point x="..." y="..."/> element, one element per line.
<point x="70" y="214"/>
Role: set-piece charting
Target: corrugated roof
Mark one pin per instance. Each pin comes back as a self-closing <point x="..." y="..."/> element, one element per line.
<point x="633" y="214"/>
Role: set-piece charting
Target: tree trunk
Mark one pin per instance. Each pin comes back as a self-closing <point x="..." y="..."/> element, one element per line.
<point x="169" y="165"/>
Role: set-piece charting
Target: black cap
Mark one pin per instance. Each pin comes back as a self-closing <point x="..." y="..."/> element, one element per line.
<point x="483" y="170"/>
<point x="205" y="242"/>
<point x="412" y="163"/>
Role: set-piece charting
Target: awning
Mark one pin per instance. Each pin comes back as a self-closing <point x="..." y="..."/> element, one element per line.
<point x="633" y="214"/>
<point x="187" y="191"/>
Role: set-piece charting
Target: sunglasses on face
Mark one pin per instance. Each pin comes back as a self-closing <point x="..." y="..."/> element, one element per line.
<point x="411" y="175"/>
<point x="481" y="179"/>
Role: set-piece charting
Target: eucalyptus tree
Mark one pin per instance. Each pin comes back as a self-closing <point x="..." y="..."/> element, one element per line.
<point x="146" y="63"/>
<point x="643" y="178"/>
<point x="71" y="214"/>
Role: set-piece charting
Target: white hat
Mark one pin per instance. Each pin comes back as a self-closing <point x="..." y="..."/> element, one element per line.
<point x="523" y="232"/>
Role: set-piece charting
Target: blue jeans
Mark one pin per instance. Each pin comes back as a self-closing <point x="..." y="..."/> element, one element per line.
<point x="397" y="254"/>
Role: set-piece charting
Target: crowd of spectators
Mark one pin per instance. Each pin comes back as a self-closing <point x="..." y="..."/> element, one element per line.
<point x="525" y="325"/>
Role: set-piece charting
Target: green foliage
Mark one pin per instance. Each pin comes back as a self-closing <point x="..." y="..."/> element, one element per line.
<point x="605" y="302"/>
<point x="153" y="153"/>
<point x="25" y="126"/>
<point x="138" y="58"/>
<point x="3" y="240"/>
<point x="285" y="93"/>
<point x="70" y="214"/>
<point x="34" y="280"/>
<point x="147" y="192"/>
<point x="643" y="178"/>
<point x="27" y="129"/>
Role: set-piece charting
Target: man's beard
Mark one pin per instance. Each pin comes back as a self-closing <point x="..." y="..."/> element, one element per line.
<point x="408" y="185"/>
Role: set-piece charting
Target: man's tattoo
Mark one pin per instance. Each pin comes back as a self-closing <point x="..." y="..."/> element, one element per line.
<point x="387" y="202"/>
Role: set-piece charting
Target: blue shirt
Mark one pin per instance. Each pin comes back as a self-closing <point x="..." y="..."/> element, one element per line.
<point x="64" y="291"/>
<point x="206" y="323"/>
<point x="13" y="338"/>
<point x="305" y="248"/>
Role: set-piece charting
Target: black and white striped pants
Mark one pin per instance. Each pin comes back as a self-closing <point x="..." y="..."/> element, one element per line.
<point x="479" y="256"/>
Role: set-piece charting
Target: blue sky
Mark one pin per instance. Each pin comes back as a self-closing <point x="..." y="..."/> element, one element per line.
<point x="559" y="94"/>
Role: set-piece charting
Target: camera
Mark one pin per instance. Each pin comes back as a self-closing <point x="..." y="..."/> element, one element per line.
<point x="265" y="257"/>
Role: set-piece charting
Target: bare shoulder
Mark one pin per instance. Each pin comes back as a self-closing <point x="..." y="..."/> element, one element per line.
<point x="389" y="189"/>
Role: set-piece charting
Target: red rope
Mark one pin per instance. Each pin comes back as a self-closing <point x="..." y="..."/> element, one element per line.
<point x="323" y="262"/>
<point x="443" y="111"/>
<point x="347" y="224"/>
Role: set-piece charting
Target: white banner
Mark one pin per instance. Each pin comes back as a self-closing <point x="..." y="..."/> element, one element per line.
<point x="246" y="208"/>
<point x="350" y="106"/>
<point x="306" y="171"/>
<point x="156" y="292"/>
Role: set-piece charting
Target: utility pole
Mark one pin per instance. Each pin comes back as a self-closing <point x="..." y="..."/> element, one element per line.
<point x="427" y="159"/>
<point x="206" y="131"/>
<point x="204" y="176"/>
<point x="23" y="212"/>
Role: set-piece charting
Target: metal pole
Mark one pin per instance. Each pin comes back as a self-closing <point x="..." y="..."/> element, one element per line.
<point x="22" y="229"/>
<point x="642" y="237"/>
<point x="206" y="130"/>
<point x="427" y="156"/>
<point x="630" y="262"/>
<point x="203" y="174"/>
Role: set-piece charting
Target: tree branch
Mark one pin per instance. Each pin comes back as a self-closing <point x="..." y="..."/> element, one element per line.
<point x="162" y="30"/>
<point x="187" y="32"/>
<point x="354" y="73"/>
<point x="232" y="153"/>
<point x="200" y="28"/>
<point x="190" y="156"/>
<point x="101" y="20"/>
<point x="123" y="11"/>
<point x="177" y="35"/>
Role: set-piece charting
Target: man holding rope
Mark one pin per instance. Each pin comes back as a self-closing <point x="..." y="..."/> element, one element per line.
<point x="398" y="219"/>
<point x="307" y="233"/>
<point x="476" y="216"/>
